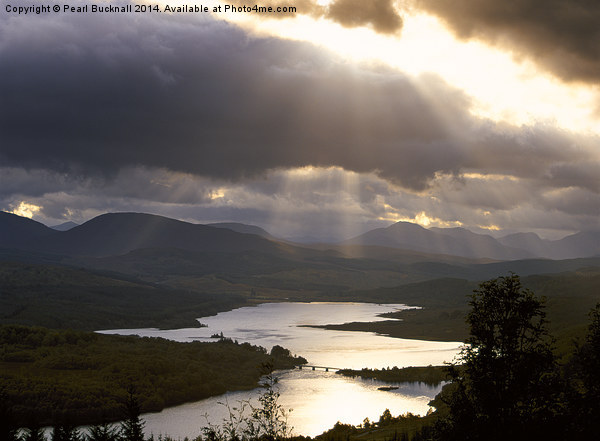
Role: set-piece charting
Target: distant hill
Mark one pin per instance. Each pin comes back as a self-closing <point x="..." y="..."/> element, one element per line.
<point x="65" y="226"/>
<point x="455" y="241"/>
<point x="120" y="233"/>
<point x="464" y="243"/>
<point x="583" y="244"/>
<point x="243" y="228"/>
<point x="529" y="241"/>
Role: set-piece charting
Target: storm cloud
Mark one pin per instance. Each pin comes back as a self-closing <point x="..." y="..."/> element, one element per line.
<point x="205" y="98"/>
<point x="563" y="36"/>
<point x="379" y="15"/>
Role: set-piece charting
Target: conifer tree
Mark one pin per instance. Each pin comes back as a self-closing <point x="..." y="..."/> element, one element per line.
<point x="103" y="432"/>
<point x="132" y="427"/>
<point x="65" y="432"/>
<point x="34" y="434"/>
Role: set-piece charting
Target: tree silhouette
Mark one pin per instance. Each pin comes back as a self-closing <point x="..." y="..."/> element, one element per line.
<point x="505" y="381"/>
<point x="34" y="434"/>
<point x="66" y="432"/>
<point x="132" y="427"/>
<point x="267" y="421"/>
<point x="584" y="376"/>
<point x="103" y="432"/>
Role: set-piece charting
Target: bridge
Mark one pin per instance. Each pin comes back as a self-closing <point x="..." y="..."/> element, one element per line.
<point x="314" y="368"/>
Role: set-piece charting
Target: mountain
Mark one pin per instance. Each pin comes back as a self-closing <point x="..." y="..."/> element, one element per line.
<point x="243" y="228"/>
<point x="17" y="230"/>
<point x="528" y="241"/>
<point x="65" y="226"/>
<point x="484" y="245"/>
<point x="582" y="244"/>
<point x="585" y="243"/>
<point x="120" y="233"/>
<point x="452" y="241"/>
<point x="465" y="243"/>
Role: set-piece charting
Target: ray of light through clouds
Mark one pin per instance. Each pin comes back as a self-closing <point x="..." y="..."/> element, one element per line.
<point x="344" y="117"/>
<point x="504" y="89"/>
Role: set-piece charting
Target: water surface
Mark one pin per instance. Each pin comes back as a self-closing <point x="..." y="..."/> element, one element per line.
<point x="319" y="399"/>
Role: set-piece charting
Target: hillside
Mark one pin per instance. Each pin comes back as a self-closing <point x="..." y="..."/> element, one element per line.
<point x="569" y="298"/>
<point x="62" y="297"/>
<point x="242" y="228"/>
<point x="17" y="231"/>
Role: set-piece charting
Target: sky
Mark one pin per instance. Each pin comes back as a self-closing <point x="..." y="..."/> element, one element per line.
<point x="344" y="116"/>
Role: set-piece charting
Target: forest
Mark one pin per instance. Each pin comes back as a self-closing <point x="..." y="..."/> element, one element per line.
<point x="49" y="376"/>
<point x="430" y="375"/>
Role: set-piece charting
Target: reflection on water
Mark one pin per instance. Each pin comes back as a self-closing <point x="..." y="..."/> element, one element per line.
<point x="319" y="398"/>
<point x="272" y="324"/>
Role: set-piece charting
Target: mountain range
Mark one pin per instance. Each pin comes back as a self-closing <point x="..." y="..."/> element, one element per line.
<point x="120" y="233"/>
<point x="464" y="243"/>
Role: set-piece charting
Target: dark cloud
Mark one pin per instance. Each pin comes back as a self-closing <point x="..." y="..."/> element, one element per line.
<point x="575" y="202"/>
<point x="585" y="174"/>
<point x="158" y="185"/>
<point x="561" y="35"/>
<point x="204" y="98"/>
<point x="93" y="95"/>
<point x="379" y="14"/>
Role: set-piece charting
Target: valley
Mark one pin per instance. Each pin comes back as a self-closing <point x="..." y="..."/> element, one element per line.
<point x="135" y="271"/>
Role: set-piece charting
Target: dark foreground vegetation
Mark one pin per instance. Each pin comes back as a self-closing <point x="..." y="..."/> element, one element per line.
<point x="47" y="376"/>
<point x="509" y="383"/>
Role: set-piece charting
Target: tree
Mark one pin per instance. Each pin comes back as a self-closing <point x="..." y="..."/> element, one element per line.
<point x="505" y="382"/>
<point x="66" y="432"/>
<point x="34" y="434"/>
<point x="266" y="421"/>
<point x="385" y="419"/>
<point x="103" y="432"/>
<point x="584" y="374"/>
<point x="132" y="427"/>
